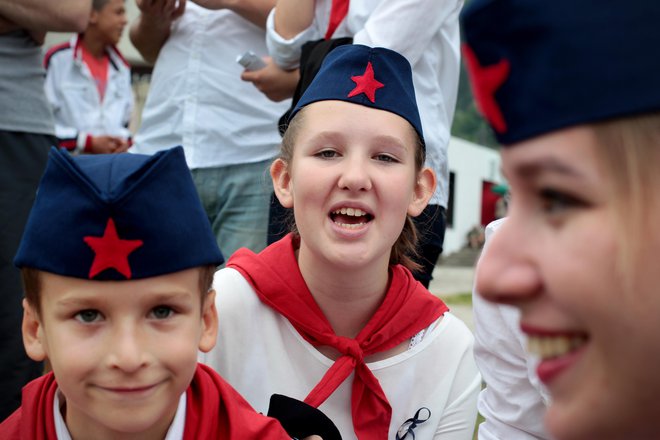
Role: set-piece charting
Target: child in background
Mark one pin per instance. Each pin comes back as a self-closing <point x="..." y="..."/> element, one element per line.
<point x="331" y="313"/>
<point x="117" y="261"/>
<point x="576" y="107"/>
<point x="88" y="84"/>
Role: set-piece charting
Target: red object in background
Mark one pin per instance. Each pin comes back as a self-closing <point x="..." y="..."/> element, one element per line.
<point x="488" y="201"/>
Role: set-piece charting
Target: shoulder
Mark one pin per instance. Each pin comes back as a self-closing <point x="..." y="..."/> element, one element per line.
<point x="117" y="57"/>
<point x="56" y="52"/>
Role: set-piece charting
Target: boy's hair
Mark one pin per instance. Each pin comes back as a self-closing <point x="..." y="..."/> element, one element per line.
<point x="97" y="5"/>
<point x="405" y="250"/>
<point x="32" y="287"/>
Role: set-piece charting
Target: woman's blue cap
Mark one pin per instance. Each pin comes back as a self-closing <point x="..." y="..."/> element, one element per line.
<point x="117" y="217"/>
<point x="371" y="76"/>
<point x="537" y="66"/>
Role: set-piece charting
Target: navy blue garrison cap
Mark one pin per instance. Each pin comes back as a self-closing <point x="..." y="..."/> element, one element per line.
<point x="538" y="65"/>
<point x="371" y="76"/>
<point x="117" y="217"/>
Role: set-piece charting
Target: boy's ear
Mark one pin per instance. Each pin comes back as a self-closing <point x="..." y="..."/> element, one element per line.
<point x="209" y="323"/>
<point x="279" y="172"/>
<point x="424" y="189"/>
<point x="93" y="17"/>
<point x="32" y="333"/>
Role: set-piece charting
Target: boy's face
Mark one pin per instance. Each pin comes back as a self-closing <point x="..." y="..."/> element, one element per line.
<point x="110" y="21"/>
<point x="123" y="352"/>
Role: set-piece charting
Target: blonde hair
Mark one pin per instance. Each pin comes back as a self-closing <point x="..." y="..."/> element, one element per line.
<point x="404" y="250"/>
<point x="629" y="152"/>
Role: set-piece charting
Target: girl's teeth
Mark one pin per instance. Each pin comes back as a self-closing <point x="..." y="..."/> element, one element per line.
<point x="547" y="347"/>
<point x="353" y="212"/>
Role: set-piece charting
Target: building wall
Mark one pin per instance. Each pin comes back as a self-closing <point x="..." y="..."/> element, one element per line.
<point x="471" y="165"/>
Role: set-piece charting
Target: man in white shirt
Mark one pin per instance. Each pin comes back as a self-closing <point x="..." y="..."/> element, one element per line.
<point x="196" y="99"/>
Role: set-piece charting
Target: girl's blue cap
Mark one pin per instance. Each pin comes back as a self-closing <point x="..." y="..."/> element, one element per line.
<point x="537" y="66"/>
<point x="117" y="217"/>
<point x="371" y="76"/>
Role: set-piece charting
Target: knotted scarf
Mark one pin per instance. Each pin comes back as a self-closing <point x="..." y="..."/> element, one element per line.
<point x="407" y="309"/>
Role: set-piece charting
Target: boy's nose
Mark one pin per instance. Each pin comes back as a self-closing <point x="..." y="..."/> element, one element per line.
<point x="126" y="349"/>
<point x="355" y="175"/>
<point x="505" y="272"/>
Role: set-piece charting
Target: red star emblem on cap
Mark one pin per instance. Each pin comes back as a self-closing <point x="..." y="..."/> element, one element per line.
<point x="485" y="82"/>
<point x="111" y="251"/>
<point x="366" y="83"/>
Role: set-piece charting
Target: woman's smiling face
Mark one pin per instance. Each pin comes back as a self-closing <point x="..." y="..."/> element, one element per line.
<point x="556" y="257"/>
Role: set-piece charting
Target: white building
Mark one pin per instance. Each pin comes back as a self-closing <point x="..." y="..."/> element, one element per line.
<point x="474" y="169"/>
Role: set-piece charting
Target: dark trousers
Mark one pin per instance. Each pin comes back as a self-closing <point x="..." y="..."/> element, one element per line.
<point x="23" y="158"/>
<point x="431" y="225"/>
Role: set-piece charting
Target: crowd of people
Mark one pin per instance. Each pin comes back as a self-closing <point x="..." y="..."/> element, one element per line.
<point x="254" y="261"/>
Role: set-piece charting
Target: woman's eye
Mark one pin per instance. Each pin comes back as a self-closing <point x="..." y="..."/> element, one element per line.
<point x="162" y="312"/>
<point x="88" y="316"/>
<point x="553" y="201"/>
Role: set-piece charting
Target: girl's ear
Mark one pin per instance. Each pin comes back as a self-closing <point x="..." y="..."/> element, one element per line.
<point x="32" y="333"/>
<point x="424" y="189"/>
<point x="279" y="172"/>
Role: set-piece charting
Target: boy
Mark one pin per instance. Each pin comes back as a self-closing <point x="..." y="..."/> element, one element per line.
<point x="117" y="261"/>
<point x="88" y="84"/>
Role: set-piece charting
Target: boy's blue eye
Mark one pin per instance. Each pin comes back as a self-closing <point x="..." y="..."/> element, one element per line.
<point x="88" y="316"/>
<point x="326" y="154"/>
<point x="162" y="312"/>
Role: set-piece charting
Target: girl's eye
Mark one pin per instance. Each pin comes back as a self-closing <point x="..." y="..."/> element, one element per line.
<point x="385" y="158"/>
<point x="554" y="202"/>
<point x="162" y="312"/>
<point x="88" y="316"/>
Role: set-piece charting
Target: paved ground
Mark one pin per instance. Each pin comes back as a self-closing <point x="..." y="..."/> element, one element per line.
<point x="448" y="281"/>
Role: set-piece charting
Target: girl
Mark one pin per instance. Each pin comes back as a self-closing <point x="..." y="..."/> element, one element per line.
<point x="331" y="312"/>
<point x="578" y="253"/>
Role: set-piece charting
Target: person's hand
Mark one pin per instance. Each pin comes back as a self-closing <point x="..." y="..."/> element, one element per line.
<point x="162" y="10"/>
<point x="273" y="81"/>
<point x="7" y="25"/>
<point x="107" y="144"/>
<point x="313" y="437"/>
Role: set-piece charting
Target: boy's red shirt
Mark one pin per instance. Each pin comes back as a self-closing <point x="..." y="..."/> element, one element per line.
<point x="214" y="410"/>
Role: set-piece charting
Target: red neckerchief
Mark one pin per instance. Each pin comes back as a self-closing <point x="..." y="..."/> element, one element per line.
<point x="338" y="12"/>
<point x="214" y="411"/>
<point x="407" y="309"/>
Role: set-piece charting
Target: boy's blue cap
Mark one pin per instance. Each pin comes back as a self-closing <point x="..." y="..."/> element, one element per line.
<point x="538" y="66"/>
<point x="117" y="217"/>
<point x="371" y="76"/>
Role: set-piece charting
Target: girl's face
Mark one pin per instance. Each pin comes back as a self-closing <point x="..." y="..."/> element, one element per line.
<point x="351" y="182"/>
<point x="555" y="258"/>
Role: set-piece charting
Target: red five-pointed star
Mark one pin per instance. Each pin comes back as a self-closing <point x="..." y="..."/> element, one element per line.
<point x="111" y="251"/>
<point x="485" y="82"/>
<point x="366" y="83"/>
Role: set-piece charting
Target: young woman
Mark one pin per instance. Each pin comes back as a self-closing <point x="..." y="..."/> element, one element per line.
<point x="331" y="313"/>
<point x="578" y="109"/>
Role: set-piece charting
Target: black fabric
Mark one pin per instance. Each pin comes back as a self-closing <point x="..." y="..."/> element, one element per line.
<point x="431" y="225"/>
<point x="311" y="57"/>
<point x="22" y="161"/>
<point x="301" y="420"/>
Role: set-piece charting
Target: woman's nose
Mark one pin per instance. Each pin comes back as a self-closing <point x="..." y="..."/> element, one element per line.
<point x="505" y="272"/>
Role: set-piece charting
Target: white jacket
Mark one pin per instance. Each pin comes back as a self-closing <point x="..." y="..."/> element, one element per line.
<point x="72" y="93"/>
